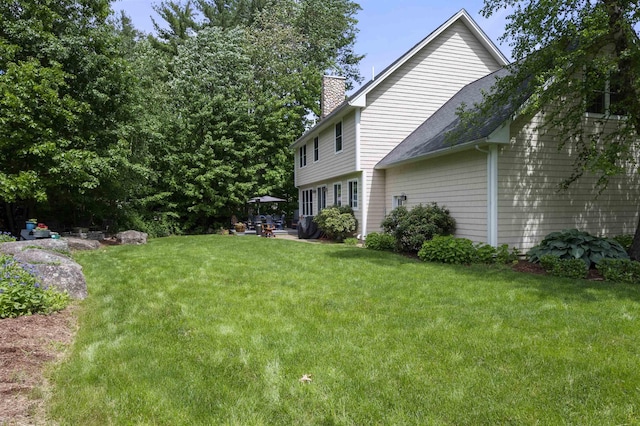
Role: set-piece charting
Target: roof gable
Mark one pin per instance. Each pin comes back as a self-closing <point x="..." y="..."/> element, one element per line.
<point x="358" y="99"/>
<point x="431" y="136"/>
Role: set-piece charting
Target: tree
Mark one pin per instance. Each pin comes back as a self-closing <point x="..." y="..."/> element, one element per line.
<point x="565" y="53"/>
<point x="64" y="94"/>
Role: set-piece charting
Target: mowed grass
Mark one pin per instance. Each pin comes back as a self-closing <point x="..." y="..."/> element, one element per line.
<point x="219" y="330"/>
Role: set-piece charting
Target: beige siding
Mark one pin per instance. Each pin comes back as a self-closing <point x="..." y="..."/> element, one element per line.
<point x="330" y="164"/>
<point x="330" y="195"/>
<point x="458" y="182"/>
<point x="419" y="87"/>
<point x="530" y="205"/>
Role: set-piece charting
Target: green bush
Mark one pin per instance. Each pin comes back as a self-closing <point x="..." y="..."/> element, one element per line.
<point x="574" y="244"/>
<point x="6" y="237"/>
<point x="569" y="268"/>
<point x="448" y="249"/>
<point x="21" y="293"/>
<point x="411" y="228"/>
<point x="624" y="240"/>
<point x="337" y="222"/>
<point x="380" y="241"/>
<point x="351" y="241"/>
<point x="620" y="270"/>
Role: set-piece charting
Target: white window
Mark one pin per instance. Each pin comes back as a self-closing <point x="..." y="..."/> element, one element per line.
<point x="322" y="197"/>
<point x="607" y="100"/>
<point x="353" y="194"/>
<point x="303" y="156"/>
<point x="339" y="137"/>
<point x="337" y="194"/>
<point x="307" y="202"/>
<point x="399" y="200"/>
<point x="316" y="149"/>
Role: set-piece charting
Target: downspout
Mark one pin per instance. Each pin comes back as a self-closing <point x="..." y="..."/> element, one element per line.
<point x="492" y="194"/>
<point x="364" y="208"/>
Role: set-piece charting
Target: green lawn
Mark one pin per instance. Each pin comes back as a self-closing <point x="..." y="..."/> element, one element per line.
<point x="219" y="330"/>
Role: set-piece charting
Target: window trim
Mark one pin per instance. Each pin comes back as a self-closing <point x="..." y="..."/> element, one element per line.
<point x="340" y="136"/>
<point x="303" y="156"/>
<point x="336" y="201"/>
<point x="350" y="193"/>
<point x="316" y="149"/>
<point x="307" y="202"/>
<point x="322" y="197"/>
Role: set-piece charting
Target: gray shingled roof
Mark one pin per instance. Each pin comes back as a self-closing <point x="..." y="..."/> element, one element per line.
<point x="431" y="136"/>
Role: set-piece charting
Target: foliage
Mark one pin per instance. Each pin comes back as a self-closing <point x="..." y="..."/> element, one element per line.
<point x="411" y="228"/>
<point x="6" y="237"/>
<point x="575" y="244"/>
<point x="380" y="241"/>
<point x="337" y="222"/>
<point x="21" y="292"/>
<point x="620" y="270"/>
<point x="448" y="249"/>
<point x="566" y="54"/>
<point x="351" y="241"/>
<point x="567" y="267"/>
<point x="624" y="240"/>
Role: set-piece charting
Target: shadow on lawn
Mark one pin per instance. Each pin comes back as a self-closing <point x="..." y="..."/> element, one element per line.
<point x="546" y="286"/>
<point x="378" y="257"/>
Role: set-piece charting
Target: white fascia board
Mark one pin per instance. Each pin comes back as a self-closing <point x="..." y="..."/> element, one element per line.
<point x="463" y="16"/>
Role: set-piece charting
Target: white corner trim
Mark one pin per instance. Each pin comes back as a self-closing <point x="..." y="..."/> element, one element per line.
<point x="365" y="204"/>
<point x="492" y="195"/>
<point x="357" y="135"/>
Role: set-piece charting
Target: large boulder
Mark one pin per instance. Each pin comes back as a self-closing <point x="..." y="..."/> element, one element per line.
<point x="82" y="244"/>
<point x="131" y="237"/>
<point x="46" y="259"/>
<point x="44" y="244"/>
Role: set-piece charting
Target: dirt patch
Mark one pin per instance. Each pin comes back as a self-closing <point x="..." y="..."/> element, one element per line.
<point x="27" y="345"/>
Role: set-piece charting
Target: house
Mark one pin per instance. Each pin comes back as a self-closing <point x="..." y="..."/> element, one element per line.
<point x="385" y="146"/>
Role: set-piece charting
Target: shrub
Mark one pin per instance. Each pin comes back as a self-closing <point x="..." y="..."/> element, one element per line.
<point x="336" y="222"/>
<point x="411" y="228"/>
<point x="624" y="240"/>
<point x="448" y="249"/>
<point x="21" y="293"/>
<point x="574" y="244"/>
<point x="380" y="241"/>
<point x="620" y="270"/>
<point x="569" y="268"/>
<point x="351" y="241"/>
<point x="6" y="237"/>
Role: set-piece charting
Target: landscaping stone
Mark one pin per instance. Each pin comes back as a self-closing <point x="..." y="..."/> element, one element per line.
<point x="50" y="244"/>
<point x="81" y="244"/>
<point x="131" y="237"/>
<point x="67" y="277"/>
<point x="53" y="267"/>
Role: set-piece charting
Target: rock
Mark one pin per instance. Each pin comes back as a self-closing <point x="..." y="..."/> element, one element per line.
<point x="67" y="277"/>
<point x="80" y="244"/>
<point x="46" y="244"/>
<point x="48" y="260"/>
<point x="37" y="256"/>
<point x="131" y="237"/>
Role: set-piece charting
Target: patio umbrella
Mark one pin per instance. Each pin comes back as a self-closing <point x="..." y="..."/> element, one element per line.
<point x="266" y="199"/>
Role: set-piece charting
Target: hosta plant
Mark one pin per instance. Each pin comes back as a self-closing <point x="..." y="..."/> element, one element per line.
<point x="575" y="244"/>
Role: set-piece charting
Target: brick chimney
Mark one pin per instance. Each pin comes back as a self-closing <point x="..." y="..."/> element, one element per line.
<point x="333" y="93"/>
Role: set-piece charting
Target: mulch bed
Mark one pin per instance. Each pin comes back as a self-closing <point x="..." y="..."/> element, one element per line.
<point x="27" y="345"/>
<point x="535" y="268"/>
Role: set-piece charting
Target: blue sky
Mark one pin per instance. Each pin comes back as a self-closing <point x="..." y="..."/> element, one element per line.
<point x="387" y="28"/>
